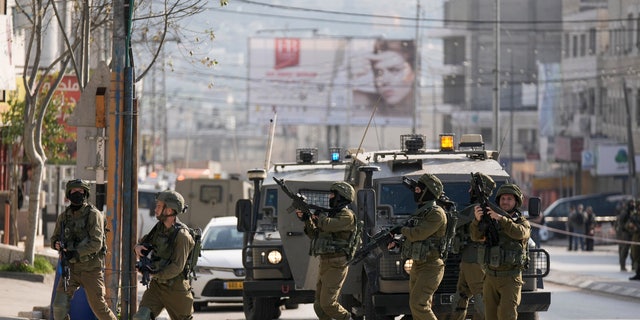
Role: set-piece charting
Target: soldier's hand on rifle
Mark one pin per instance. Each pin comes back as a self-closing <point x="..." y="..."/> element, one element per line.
<point x="478" y="212"/>
<point x="57" y="245"/>
<point x="138" y="250"/>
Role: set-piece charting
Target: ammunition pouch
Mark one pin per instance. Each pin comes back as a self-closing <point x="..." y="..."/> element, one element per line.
<point x="496" y="257"/>
<point x="428" y="249"/>
<point x="325" y="245"/>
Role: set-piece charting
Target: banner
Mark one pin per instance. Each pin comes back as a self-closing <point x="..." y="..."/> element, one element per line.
<point x="8" y="74"/>
<point x="331" y="81"/>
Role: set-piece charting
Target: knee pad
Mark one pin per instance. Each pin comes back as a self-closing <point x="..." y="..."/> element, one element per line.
<point x="478" y="303"/>
<point x="60" y="306"/>
<point x="143" y="313"/>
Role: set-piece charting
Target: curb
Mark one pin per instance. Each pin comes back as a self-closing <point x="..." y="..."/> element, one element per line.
<point x="33" y="277"/>
<point x="604" y="285"/>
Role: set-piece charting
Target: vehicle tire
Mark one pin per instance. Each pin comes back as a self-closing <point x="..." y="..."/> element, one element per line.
<point x="528" y="316"/>
<point x="261" y="308"/>
<point x="199" y="306"/>
<point x="543" y="233"/>
<point x="290" y="306"/>
<point x="369" y="309"/>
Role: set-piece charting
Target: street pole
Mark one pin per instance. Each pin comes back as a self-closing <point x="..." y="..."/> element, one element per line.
<point x="496" y="81"/>
<point x="511" y="115"/>
<point x="630" y="146"/>
<point x="417" y="71"/>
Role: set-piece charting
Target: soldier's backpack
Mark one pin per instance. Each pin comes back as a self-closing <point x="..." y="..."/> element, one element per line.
<point x="356" y="239"/>
<point x="451" y="213"/>
<point x="189" y="270"/>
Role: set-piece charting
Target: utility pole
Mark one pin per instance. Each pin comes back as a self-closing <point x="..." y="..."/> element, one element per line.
<point x="496" y="81"/>
<point x="630" y="146"/>
<point x="417" y="72"/>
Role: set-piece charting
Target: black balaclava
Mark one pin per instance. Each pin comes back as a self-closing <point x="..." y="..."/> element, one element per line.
<point x="77" y="200"/>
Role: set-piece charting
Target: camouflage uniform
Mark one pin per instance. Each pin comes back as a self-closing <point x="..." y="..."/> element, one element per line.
<point x="330" y="234"/>
<point x="84" y="239"/>
<point x="471" y="273"/>
<point x="169" y="287"/>
<point x="623" y="234"/>
<point x="632" y="225"/>
<point x="423" y="244"/>
<point x="504" y="262"/>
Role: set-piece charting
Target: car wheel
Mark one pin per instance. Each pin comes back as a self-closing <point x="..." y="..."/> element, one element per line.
<point x="543" y="233"/>
<point x="199" y="306"/>
<point x="261" y="308"/>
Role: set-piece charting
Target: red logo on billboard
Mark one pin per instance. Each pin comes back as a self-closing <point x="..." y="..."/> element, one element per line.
<point x="287" y="52"/>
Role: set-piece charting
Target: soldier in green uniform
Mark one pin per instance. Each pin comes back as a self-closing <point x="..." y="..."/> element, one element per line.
<point x="632" y="225"/>
<point x="423" y="244"/>
<point x="504" y="260"/>
<point x="471" y="272"/>
<point x="330" y="234"/>
<point x="84" y="246"/>
<point x="170" y="243"/>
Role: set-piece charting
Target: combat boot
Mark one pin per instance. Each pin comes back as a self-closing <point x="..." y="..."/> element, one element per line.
<point x="636" y="277"/>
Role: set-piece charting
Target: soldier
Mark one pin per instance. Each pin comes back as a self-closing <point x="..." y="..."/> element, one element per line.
<point x="633" y="227"/>
<point x="171" y="243"/>
<point x="423" y="245"/>
<point x="622" y="233"/>
<point x="471" y="272"/>
<point x="84" y="247"/>
<point x="330" y="234"/>
<point x="505" y="259"/>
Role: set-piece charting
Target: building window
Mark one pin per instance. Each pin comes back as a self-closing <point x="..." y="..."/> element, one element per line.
<point x="583" y="45"/>
<point x="629" y="42"/>
<point x="638" y="32"/>
<point x="567" y="44"/>
<point x="592" y="41"/>
<point x="574" y="46"/>
<point x="637" y="108"/>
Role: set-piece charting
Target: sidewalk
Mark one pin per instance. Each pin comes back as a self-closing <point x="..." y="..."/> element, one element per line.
<point x="596" y="270"/>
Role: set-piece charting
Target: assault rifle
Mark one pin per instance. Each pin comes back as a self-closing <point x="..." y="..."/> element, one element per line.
<point x="64" y="259"/>
<point x="379" y="240"/>
<point x="145" y="266"/>
<point x="299" y="202"/>
<point x="488" y="227"/>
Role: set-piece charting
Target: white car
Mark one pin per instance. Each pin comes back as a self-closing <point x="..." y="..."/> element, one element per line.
<point x="219" y="272"/>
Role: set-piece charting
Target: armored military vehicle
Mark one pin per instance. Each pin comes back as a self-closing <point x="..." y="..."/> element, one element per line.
<point x="279" y="270"/>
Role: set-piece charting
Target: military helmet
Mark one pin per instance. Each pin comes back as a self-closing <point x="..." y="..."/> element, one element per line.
<point x="509" y="188"/>
<point x="344" y="189"/>
<point x="432" y="184"/>
<point x="172" y="200"/>
<point x="487" y="183"/>
<point x="77" y="183"/>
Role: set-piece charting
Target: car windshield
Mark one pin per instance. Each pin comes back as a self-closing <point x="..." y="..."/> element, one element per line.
<point x="222" y="238"/>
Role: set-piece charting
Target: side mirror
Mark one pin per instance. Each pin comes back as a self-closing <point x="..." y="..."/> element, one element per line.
<point x="534" y="207"/>
<point x="243" y="213"/>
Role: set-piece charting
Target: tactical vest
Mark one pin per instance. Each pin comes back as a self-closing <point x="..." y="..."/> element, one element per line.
<point x="340" y="242"/>
<point x="462" y="243"/>
<point x="76" y="232"/>
<point x="508" y="255"/>
<point x="427" y="249"/>
<point x="162" y="240"/>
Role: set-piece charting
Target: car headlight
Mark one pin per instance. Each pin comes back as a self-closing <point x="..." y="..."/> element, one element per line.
<point x="273" y="256"/>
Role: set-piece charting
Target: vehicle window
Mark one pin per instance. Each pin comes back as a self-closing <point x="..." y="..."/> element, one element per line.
<point x="398" y="197"/>
<point x="315" y="197"/>
<point x="211" y="194"/>
<point x="271" y="198"/>
<point x="222" y="238"/>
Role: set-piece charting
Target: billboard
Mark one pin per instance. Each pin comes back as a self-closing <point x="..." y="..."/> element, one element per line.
<point x="613" y="160"/>
<point x="331" y="81"/>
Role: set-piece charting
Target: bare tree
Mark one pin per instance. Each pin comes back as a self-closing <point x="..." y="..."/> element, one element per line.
<point x="42" y="75"/>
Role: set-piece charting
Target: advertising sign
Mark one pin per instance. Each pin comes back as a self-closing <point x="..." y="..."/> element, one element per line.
<point x="613" y="160"/>
<point x="331" y="81"/>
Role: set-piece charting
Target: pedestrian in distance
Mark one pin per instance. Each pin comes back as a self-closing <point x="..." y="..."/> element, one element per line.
<point x="569" y="228"/>
<point x="577" y="221"/>
<point x="79" y="235"/>
<point x="168" y="244"/>
<point x="505" y="259"/>
<point x="589" y="228"/>
<point x="330" y="233"/>
<point x="423" y="244"/>
<point x="471" y="276"/>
